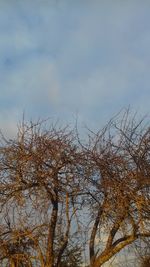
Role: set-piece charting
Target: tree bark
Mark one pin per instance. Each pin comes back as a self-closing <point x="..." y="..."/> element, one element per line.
<point x="51" y="233"/>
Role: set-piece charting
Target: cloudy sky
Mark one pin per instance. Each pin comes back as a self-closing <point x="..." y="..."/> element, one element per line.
<point x="68" y="58"/>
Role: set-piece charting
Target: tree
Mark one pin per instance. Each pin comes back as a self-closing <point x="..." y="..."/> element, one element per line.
<point x="39" y="185"/>
<point x="54" y="190"/>
<point x="117" y="172"/>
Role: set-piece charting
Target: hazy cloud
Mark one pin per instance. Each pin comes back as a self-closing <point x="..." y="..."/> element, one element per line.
<point x="72" y="57"/>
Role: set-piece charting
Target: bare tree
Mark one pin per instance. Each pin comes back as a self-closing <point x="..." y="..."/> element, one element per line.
<point x="54" y="189"/>
<point x="39" y="184"/>
<point x="118" y="188"/>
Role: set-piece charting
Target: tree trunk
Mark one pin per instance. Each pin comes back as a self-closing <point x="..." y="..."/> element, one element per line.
<point x="51" y="233"/>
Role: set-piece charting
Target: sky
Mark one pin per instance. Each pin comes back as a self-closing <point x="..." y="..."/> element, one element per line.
<point x="68" y="59"/>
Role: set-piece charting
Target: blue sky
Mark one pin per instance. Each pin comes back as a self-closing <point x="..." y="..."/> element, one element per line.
<point x="62" y="59"/>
